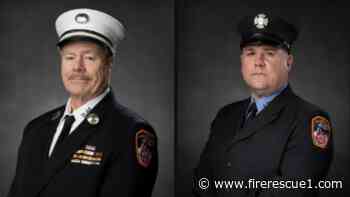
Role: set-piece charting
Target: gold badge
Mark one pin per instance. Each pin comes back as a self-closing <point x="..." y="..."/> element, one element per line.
<point x="93" y="119"/>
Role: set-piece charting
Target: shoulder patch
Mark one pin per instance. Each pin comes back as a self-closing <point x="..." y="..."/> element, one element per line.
<point x="144" y="142"/>
<point x="320" y="131"/>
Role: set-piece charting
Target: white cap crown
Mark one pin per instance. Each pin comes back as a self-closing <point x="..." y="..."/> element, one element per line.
<point x="90" y="23"/>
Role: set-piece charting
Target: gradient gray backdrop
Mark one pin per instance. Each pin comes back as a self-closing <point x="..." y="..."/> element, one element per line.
<point x="142" y="75"/>
<point x="208" y="71"/>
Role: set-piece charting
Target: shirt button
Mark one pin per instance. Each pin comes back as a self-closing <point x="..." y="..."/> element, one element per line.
<point x="228" y="164"/>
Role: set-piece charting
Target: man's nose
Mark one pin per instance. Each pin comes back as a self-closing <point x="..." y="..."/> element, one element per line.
<point x="79" y="65"/>
<point x="260" y="60"/>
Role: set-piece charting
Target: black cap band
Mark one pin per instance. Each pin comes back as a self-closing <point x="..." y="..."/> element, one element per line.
<point x="88" y="31"/>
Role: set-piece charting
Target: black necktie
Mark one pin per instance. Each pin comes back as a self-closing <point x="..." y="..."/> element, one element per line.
<point x="68" y="121"/>
<point x="251" y="112"/>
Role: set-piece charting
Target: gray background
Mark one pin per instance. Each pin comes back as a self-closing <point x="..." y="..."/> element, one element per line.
<point x="207" y="74"/>
<point x="208" y="71"/>
<point x="142" y="76"/>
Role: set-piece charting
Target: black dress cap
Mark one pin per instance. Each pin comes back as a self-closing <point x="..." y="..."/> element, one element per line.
<point x="267" y="29"/>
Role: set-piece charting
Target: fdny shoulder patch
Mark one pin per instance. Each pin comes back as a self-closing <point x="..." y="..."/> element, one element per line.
<point x="144" y="142"/>
<point x="320" y="131"/>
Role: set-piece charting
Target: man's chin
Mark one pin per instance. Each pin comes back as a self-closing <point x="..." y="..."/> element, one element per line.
<point x="77" y="92"/>
<point x="259" y="90"/>
<point x="257" y="86"/>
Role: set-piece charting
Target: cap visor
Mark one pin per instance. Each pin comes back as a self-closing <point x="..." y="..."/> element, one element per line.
<point x="264" y="41"/>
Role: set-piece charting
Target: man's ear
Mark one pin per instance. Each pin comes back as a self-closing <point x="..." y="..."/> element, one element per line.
<point x="290" y="61"/>
<point x="109" y="61"/>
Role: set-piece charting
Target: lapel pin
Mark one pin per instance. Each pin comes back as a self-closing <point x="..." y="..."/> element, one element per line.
<point x="93" y="119"/>
<point x="56" y="115"/>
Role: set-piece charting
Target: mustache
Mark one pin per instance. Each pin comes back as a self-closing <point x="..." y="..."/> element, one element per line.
<point x="258" y="73"/>
<point x="78" y="77"/>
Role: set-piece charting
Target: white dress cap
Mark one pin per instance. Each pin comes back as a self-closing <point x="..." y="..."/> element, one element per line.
<point x="90" y="23"/>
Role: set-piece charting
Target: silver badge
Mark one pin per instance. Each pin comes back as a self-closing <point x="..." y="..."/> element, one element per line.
<point x="93" y="119"/>
<point x="261" y="21"/>
<point x="82" y="18"/>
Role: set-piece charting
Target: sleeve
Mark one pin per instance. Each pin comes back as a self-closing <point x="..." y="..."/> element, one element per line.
<point x="14" y="184"/>
<point x="307" y="157"/>
<point x="203" y="172"/>
<point x="133" y="172"/>
<point x="18" y="171"/>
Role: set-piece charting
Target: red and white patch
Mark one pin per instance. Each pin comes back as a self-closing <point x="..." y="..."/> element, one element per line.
<point x="145" y="142"/>
<point x="320" y="131"/>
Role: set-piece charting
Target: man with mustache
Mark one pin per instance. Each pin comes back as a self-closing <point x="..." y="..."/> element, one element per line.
<point x="92" y="146"/>
<point x="273" y="136"/>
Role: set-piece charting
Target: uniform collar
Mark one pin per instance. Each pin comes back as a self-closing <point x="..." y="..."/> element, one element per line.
<point x="262" y="102"/>
<point x="83" y="111"/>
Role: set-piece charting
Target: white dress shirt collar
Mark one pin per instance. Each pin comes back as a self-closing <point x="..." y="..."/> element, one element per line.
<point x="81" y="112"/>
<point x="79" y="115"/>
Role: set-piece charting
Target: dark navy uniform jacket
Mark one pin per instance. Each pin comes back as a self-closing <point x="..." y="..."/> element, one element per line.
<point x="276" y="145"/>
<point x="128" y="161"/>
